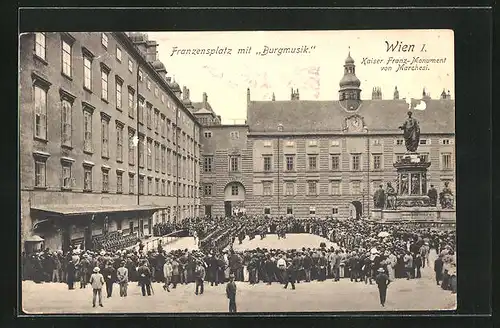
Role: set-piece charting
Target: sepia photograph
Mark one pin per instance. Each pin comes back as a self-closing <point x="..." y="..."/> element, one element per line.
<point x="237" y="171"/>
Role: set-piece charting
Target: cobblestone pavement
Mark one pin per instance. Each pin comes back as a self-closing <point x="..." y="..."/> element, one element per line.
<point x="402" y="295"/>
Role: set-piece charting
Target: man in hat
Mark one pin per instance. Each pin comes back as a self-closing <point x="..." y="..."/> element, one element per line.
<point x="382" y="281"/>
<point x="167" y="274"/>
<point x="97" y="281"/>
<point x="109" y="278"/>
<point x="122" y="277"/>
<point x="144" y="278"/>
<point x="199" y="277"/>
<point x="231" y="293"/>
<point x="438" y="268"/>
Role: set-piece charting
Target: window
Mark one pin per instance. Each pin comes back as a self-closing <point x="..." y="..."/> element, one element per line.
<point x="163" y="155"/>
<point x="87" y="130"/>
<point x="355" y="162"/>
<point x="157" y="187"/>
<point x="66" y="58"/>
<point x="66" y="120"/>
<point x="104" y="84"/>
<point x="157" y="121"/>
<point x="131" y="183"/>
<point x="119" y="142"/>
<point x="87" y="178"/>
<point x="141" y="150"/>
<point x="105" y="136"/>
<point x="104" y="40"/>
<point x="376" y="142"/>
<point x="150" y="154"/>
<point x="140" y="115"/>
<point x="208" y="163"/>
<point x="162" y="98"/>
<point x="267" y="210"/>
<point x="207" y="190"/>
<point x="208" y="134"/>
<point x="335" y="187"/>
<point x="423" y="142"/>
<point x="119" y="84"/>
<point x="169" y="161"/>
<point x="377" y="162"/>
<point x="118" y="54"/>
<point x="267" y="163"/>
<point x="399" y="158"/>
<point x="233" y="163"/>
<point x="313" y="162"/>
<point x="162" y="125"/>
<point x="335" y="210"/>
<point x="312" y="210"/>
<point x="356" y="187"/>
<point x="141" y="77"/>
<point x="399" y="142"/>
<point x="267" y="187"/>
<point x="130" y="66"/>
<point x="312" y="187"/>
<point x="141" y="185"/>
<point x="157" y="92"/>
<point x="289" y="189"/>
<point x="267" y="143"/>
<point x="40" y="46"/>
<point x="163" y="188"/>
<point x="40" y="95"/>
<point x="424" y="157"/>
<point x="289" y="163"/>
<point x="335" y="162"/>
<point x="234" y="190"/>
<point x="446" y="161"/>
<point x="131" y="153"/>
<point x="119" y="182"/>
<point x="289" y="144"/>
<point x="157" y="156"/>
<point x="235" y="135"/>
<point x="149" y="113"/>
<point x="289" y="210"/>
<point x="87" y="73"/>
<point x="105" y="180"/>
<point x="313" y="143"/>
<point x="335" y="143"/>
<point x="131" y="102"/>
<point x="66" y="175"/>
<point x="40" y="172"/>
<point x="148" y="84"/>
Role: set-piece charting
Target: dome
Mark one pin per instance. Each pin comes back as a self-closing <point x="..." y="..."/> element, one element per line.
<point x="175" y="86"/>
<point x="349" y="80"/>
<point x="158" y="65"/>
<point x="349" y="59"/>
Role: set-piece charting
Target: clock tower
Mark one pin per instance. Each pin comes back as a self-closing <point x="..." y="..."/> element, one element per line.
<point x="349" y="92"/>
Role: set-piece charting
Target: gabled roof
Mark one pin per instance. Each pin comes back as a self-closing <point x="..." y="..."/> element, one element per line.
<point x="199" y="105"/>
<point x="203" y="111"/>
<point x="329" y="116"/>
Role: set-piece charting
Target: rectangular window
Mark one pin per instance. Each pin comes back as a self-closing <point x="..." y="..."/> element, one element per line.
<point x="157" y="121"/>
<point x="356" y="162"/>
<point x="40" y="173"/>
<point x="235" y="135"/>
<point x="335" y="143"/>
<point x="40" y="45"/>
<point x="118" y="54"/>
<point x="233" y="163"/>
<point x="446" y="141"/>
<point x="130" y="66"/>
<point x="131" y="147"/>
<point x="377" y="162"/>
<point x="290" y="144"/>
<point x="104" y="84"/>
<point x="424" y="157"/>
<point x="446" y="160"/>
<point x="150" y="154"/>
<point x="313" y="143"/>
<point x="399" y="142"/>
<point x="162" y="125"/>
<point x="289" y="210"/>
<point x="66" y="175"/>
<point x="207" y="163"/>
<point x="163" y="187"/>
<point x="148" y="84"/>
<point x="289" y="189"/>
<point x="207" y="190"/>
<point x="105" y="181"/>
<point x="157" y="156"/>
<point x="312" y="210"/>
<point x="335" y="187"/>
<point x="376" y="142"/>
<point x="335" y="162"/>
<point x="234" y="190"/>
<point x="141" y="185"/>
<point x="312" y="187"/>
<point x="267" y="187"/>
<point x="267" y="144"/>
<point x="150" y="186"/>
<point x="399" y="158"/>
<point x="119" y="182"/>
<point x="423" y="141"/>
<point x="66" y="58"/>
<point x="140" y="115"/>
<point x="157" y="187"/>
<point x="87" y="73"/>
<point x="66" y="120"/>
<point x="87" y="178"/>
<point x="289" y="163"/>
<point x="149" y="113"/>
<point x="356" y="187"/>
<point x="105" y="137"/>
<point x="157" y="92"/>
<point x="267" y="210"/>
<point x="87" y="129"/>
<point x="335" y="210"/>
<point x="208" y="134"/>
<point x="162" y="98"/>
<point x="141" y="146"/>
<point x="313" y="162"/>
<point x="40" y="112"/>
<point x="141" y="77"/>
<point x="131" y="183"/>
<point x="131" y="104"/>
<point x="104" y="40"/>
<point x="267" y="163"/>
<point x="119" y="85"/>
<point x="163" y="155"/>
<point x="119" y="142"/>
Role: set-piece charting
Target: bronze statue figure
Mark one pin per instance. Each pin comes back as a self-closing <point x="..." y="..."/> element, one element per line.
<point x="391" y="197"/>
<point x="446" y="197"/>
<point x="411" y="133"/>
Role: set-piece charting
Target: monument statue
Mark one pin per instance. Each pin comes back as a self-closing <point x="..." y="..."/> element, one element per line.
<point x="411" y="133"/>
<point x="446" y="197"/>
<point x="391" y="197"/>
<point x="379" y="198"/>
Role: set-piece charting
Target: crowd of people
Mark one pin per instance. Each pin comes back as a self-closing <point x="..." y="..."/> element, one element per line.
<point x="365" y="249"/>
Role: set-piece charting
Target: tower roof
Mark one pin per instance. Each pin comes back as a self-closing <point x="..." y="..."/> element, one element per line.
<point x="349" y="59"/>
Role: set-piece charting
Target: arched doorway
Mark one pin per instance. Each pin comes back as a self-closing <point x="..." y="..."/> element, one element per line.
<point x="234" y="198"/>
<point x="355" y="209"/>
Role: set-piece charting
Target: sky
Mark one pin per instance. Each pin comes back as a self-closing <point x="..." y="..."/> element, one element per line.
<point x="316" y="72"/>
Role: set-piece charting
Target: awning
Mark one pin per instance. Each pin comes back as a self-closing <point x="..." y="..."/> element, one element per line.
<point x="35" y="239"/>
<point x="73" y="209"/>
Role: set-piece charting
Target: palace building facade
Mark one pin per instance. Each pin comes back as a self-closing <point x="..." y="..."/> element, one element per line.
<point x="319" y="158"/>
<point x="106" y="142"/>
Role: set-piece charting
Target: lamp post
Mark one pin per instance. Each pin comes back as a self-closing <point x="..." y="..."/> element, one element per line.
<point x="280" y="129"/>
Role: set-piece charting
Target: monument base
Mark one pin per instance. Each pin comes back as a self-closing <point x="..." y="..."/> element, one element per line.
<point x="425" y="215"/>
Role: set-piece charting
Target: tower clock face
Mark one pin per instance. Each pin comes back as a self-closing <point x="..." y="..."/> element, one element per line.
<point x="355" y="123"/>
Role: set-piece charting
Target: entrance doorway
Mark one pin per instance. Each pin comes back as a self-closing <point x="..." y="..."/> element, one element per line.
<point x="208" y="210"/>
<point x="234" y="195"/>
<point x="356" y="209"/>
<point x="228" y="208"/>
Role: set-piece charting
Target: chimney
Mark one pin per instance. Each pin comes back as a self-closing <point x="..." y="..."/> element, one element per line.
<point x="449" y="95"/>
<point x="443" y="94"/>
<point x="248" y="96"/>
<point x="274" y="97"/>
<point x="297" y="95"/>
<point x="396" y="93"/>
<point x="151" y="52"/>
